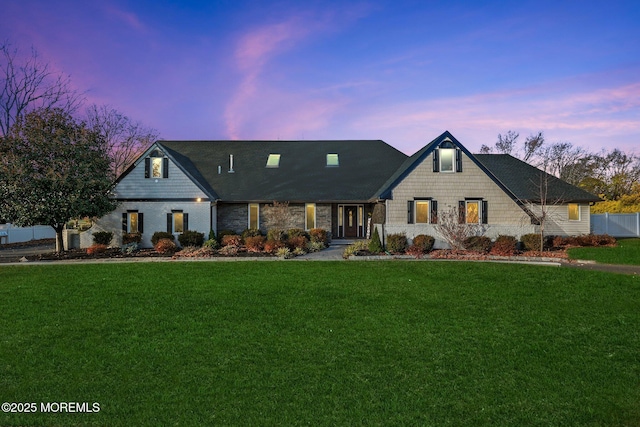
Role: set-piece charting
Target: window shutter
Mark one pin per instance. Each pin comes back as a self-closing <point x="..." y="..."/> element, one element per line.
<point x="458" y="160"/>
<point x="124" y="222"/>
<point x="434" y="212"/>
<point x="141" y="222"/>
<point x="436" y="161"/>
<point x="165" y="168"/>
<point x="147" y="167"/>
<point x="485" y="212"/>
<point x="169" y="223"/>
<point x="461" y="212"/>
<point x="410" y="204"/>
<point x="185" y="221"/>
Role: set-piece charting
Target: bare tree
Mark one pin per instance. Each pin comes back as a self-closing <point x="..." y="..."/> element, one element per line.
<point x="532" y="146"/>
<point x="507" y="143"/>
<point x="454" y="230"/>
<point x="125" y="139"/>
<point x="29" y="84"/>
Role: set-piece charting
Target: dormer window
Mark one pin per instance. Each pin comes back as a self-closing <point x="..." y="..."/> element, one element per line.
<point x="333" y="160"/>
<point x="446" y="159"/>
<point x="156" y="165"/>
<point x="273" y="161"/>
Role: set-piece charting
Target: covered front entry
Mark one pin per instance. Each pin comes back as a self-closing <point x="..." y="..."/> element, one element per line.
<point x="351" y="222"/>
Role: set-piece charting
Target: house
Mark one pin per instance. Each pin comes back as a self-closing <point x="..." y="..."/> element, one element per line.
<point x="341" y="186"/>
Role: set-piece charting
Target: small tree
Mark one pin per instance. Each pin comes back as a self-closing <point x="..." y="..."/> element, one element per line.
<point x="454" y="231"/>
<point x="53" y="169"/>
<point x="375" y="246"/>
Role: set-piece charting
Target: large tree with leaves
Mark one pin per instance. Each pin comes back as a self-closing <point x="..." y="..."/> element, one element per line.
<point x="53" y="168"/>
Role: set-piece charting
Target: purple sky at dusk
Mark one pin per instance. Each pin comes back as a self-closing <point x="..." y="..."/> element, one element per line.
<point x="401" y="71"/>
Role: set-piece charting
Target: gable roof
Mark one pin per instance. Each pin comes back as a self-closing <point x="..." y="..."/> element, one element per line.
<point x="302" y="174"/>
<point x="524" y="180"/>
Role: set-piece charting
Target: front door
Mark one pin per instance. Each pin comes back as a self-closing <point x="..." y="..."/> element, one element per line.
<point x="350" y="221"/>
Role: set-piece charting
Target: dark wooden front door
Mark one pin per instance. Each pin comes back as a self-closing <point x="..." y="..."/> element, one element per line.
<point x="350" y="221"/>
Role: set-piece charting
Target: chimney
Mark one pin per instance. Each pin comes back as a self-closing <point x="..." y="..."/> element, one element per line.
<point x="231" y="164"/>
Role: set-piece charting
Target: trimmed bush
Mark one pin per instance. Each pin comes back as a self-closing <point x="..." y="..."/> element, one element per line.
<point x="424" y="242"/>
<point x="283" y="253"/>
<point x="223" y="233"/>
<point x="504" y="246"/>
<point x="211" y="244"/>
<point x="165" y="246"/>
<point x="276" y="234"/>
<point x="231" y="240"/>
<point x="297" y="232"/>
<point x="97" y="248"/>
<point x="319" y="235"/>
<point x="270" y="246"/>
<point x="254" y="243"/>
<point x="375" y="246"/>
<point x="131" y="238"/>
<point x="191" y="238"/>
<point x="396" y="243"/>
<point x="251" y="232"/>
<point x="531" y="242"/>
<point x="297" y="242"/>
<point x="158" y="235"/>
<point x="102" y="237"/>
<point x="477" y="243"/>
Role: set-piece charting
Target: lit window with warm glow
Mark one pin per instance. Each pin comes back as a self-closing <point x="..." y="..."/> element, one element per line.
<point x="574" y="212"/>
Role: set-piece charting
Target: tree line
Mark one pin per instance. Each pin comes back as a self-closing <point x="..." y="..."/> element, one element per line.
<point x="611" y="174"/>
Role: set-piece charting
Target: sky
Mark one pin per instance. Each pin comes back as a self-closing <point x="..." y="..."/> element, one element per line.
<point x="400" y="71"/>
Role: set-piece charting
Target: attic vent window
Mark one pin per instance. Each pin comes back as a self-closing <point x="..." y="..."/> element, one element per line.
<point x="273" y="161"/>
<point x="332" y="160"/>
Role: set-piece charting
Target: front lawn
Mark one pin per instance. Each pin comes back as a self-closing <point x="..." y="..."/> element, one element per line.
<point x="627" y="251"/>
<point x="326" y="343"/>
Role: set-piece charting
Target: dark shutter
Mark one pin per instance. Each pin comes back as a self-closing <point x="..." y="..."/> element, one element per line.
<point x="462" y="212"/>
<point x="165" y="168"/>
<point x="436" y="161"/>
<point x="124" y="222"/>
<point x="141" y="222"/>
<point x="485" y="212"/>
<point x="185" y="221"/>
<point x="458" y="160"/>
<point x="169" y="223"/>
<point x="410" y="204"/>
<point x="147" y="167"/>
<point x="434" y="212"/>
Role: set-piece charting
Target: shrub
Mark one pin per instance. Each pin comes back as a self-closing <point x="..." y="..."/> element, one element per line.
<point x="251" y="232"/>
<point x="231" y="240"/>
<point x="158" y="235"/>
<point x="276" y="234"/>
<point x="229" y="250"/>
<point x="102" y="237"/>
<point x="424" y="242"/>
<point x="223" y="233"/>
<point x="165" y="246"/>
<point x="396" y="243"/>
<point x="254" y="243"/>
<point x="131" y="238"/>
<point x="355" y="248"/>
<point x="315" y="246"/>
<point x="504" y="246"/>
<point x="595" y="240"/>
<point x="191" y="238"/>
<point x="211" y="244"/>
<point x="212" y="234"/>
<point x="297" y="242"/>
<point x="559" y="242"/>
<point x="97" y="248"/>
<point x="129" y="248"/>
<point x="375" y="246"/>
<point x="297" y="232"/>
<point x="283" y="253"/>
<point x="477" y="243"/>
<point x="319" y="235"/>
<point x="270" y="246"/>
<point x="299" y="251"/>
<point x="531" y="242"/>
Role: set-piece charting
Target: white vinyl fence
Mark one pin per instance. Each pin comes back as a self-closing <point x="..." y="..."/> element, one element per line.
<point x="616" y="225"/>
<point x="11" y="234"/>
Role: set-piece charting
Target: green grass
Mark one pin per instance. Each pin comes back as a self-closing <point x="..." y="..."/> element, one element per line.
<point x="626" y="252"/>
<point x="326" y="343"/>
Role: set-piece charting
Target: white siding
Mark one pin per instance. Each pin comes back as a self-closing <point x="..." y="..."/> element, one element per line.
<point x="558" y="223"/>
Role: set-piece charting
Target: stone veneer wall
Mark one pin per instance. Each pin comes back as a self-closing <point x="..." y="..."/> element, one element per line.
<point x="235" y="216"/>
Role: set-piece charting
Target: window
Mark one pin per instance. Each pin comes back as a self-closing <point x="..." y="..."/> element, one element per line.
<point x="574" y="212"/>
<point x="446" y="159"/>
<point x="254" y="215"/>
<point x="310" y="216"/>
<point x="177" y="222"/>
<point x="473" y="211"/>
<point x="333" y="160"/>
<point x="156" y="167"/>
<point x="273" y="161"/>
<point x="132" y="222"/>
<point x="422" y="211"/>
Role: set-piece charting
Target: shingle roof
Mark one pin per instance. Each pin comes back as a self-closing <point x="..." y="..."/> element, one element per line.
<point x="524" y="180"/>
<point x="301" y="176"/>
